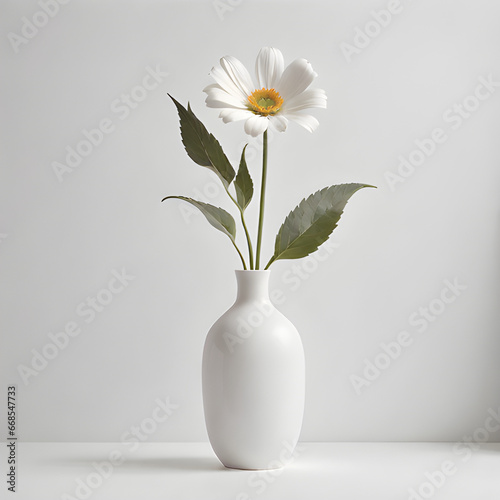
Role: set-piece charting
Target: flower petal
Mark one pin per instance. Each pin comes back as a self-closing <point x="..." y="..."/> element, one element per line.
<point x="278" y="122"/>
<point x="297" y="76"/>
<point x="226" y="81"/>
<point x="234" y="115"/>
<point x="212" y="86"/>
<point x="217" y="97"/>
<point x="310" y="98"/>
<point x="234" y="86"/>
<point x="307" y="121"/>
<point x="269" y="67"/>
<point x="256" y="125"/>
<point x="238" y="74"/>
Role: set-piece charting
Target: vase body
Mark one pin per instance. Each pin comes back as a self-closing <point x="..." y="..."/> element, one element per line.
<point x="253" y="380"/>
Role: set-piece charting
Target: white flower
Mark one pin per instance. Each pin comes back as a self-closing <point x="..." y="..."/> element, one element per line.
<point x="281" y="94"/>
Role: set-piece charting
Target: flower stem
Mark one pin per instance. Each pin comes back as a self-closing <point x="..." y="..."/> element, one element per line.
<point x="239" y="253"/>
<point x="247" y="234"/>
<point x="250" y="249"/>
<point x="262" y="199"/>
<point x="271" y="260"/>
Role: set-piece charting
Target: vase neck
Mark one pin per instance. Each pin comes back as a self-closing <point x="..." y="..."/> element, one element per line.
<point x="253" y="285"/>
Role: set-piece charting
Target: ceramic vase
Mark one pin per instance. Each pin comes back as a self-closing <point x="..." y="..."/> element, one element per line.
<point x="253" y="380"/>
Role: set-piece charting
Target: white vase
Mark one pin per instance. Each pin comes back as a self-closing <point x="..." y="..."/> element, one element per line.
<point x="253" y="380"/>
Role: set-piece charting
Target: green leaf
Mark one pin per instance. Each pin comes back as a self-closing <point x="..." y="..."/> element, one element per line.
<point x="310" y="224"/>
<point x="243" y="183"/>
<point x="216" y="216"/>
<point x="201" y="146"/>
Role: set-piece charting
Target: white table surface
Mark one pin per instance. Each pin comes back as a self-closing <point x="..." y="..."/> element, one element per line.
<point x="318" y="471"/>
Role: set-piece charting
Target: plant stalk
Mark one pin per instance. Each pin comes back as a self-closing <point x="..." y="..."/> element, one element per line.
<point x="262" y="198"/>
<point x="239" y="253"/>
<point x="250" y="249"/>
<point x="247" y="234"/>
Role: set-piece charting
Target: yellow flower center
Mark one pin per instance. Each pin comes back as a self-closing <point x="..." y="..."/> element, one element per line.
<point x="265" y="102"/>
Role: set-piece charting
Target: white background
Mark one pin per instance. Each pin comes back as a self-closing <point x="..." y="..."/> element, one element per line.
<point x="394" y="249"/>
